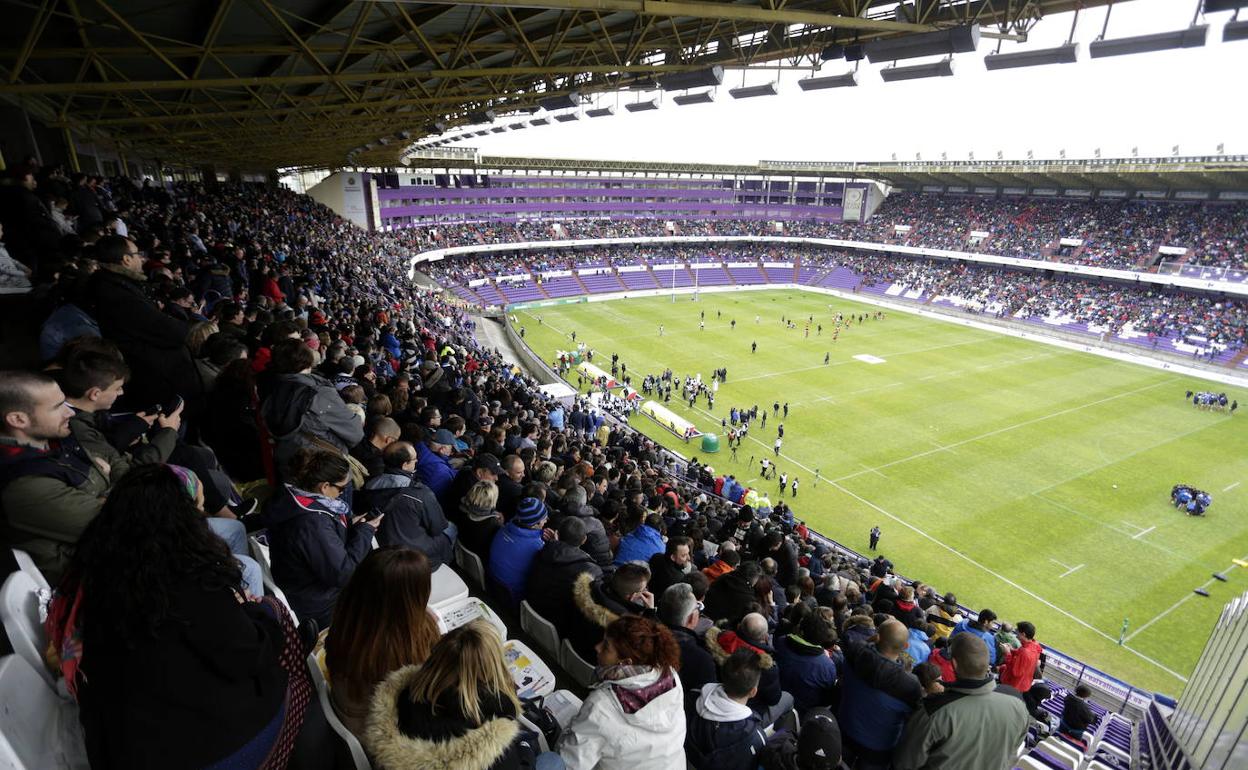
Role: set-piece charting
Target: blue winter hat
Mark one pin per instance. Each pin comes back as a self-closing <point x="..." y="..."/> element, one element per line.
<point x="530" y="512"/>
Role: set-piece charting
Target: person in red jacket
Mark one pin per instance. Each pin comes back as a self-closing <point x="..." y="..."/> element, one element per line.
<point x="1019" y="668"/>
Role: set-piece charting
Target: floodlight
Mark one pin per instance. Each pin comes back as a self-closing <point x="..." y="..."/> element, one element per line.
<point x="539" y="122"/>
<point x="1235" y="30"/>
<point x="940" y="69"/>
<point x="600" y="112"/>
<point x="649" y="104"/>
<point x="1192" y="37"/>
<point x="518" y="126"/>
<point x="436" y="127"/>
<point x="565" y="117"/>
<point x="1213" y="6"/>
<point x="941" y="42"/>
<point x="482" y="116"/>
<point x="702" y="97"/>
<point x="498" y="129"/>
<point x="1063" y="54"/>
<point x="680" y="81"/>
<point x="749" y="92"/>
<point x="855" y="52"/>
<point x="829" y="81"/>
<point x="570" y="99"/>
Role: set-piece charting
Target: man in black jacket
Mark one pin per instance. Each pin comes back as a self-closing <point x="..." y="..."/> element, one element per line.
<point x="413" y="516"/>
<point x="597" y="544"/>
<point x="484" y="467"/>
<point x="678" y="609"/>
<point x="555" y="571"/>
<point x="601" y="601"/>
<point x="671" y="566"/>
<point x="731" y="596"/>
<point x="153" y="342"/>
<point x="1076" y="716"/>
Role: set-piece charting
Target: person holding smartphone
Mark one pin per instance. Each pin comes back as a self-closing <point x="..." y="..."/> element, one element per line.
<point x="315" y="540"/>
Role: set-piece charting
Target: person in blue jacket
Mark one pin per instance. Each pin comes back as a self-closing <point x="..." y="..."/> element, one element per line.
<point x="877" y="697"/>
<point x="433" y="463"/>
<point x="806" y="670"/>
<point x="981" y="628"/>
<point x="643" y="542"/>
<point x="314" y="540"/>
<point x="515" y="546"/>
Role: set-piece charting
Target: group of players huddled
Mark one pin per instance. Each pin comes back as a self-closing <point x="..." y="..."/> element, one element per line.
<point x="1208" y="400"/>
<point x="1190" y="499"/>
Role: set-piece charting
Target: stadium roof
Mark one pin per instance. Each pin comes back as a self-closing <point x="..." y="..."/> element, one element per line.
<point x="1217" y="173"/>
<point x="262" y="84"/>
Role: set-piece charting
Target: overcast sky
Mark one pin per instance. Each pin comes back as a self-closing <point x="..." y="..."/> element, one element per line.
<point x="1194" y="98"/>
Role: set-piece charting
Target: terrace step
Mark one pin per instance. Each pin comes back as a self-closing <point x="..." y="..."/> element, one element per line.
<point x="797" y="270"/>
<point x="1238" y="358"/>
<point x="581" y="283"/>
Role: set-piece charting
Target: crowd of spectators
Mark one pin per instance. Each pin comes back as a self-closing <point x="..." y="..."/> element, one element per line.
<point x="237" y="359"/>
<point x="1203" y="320"/>
<point x="1121" y="233"/>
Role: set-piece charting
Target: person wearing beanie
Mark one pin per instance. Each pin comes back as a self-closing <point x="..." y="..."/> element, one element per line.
<point x="514" y="548"/>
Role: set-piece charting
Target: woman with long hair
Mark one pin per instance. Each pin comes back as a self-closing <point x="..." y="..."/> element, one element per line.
<point x="478" y="512"/>
<point x="157" y="643"/>
<point x="633" y="717"/>
<point x="457" y="711"/>
<point x="315" y="541"/>
<point x="381" y="623"/>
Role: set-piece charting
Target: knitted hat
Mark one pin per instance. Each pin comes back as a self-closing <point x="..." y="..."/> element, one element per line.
<point x="530" y="513"/>
<point x="819" y="744"/>
<point x="444" y="437"/>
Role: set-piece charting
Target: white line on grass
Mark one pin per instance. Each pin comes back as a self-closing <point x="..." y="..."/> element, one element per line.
<point x="1009" y="428"/>
<point x="1070" y="571"/>
<point x="852" y="361"/>
<point x="1143" y="532"/>
<point x="1175" y="606"/>
<point x="1228" y="489"/>
<point x="877" y="473"/>
<point x="968" y="559"/>
<point x="1061" y="564"/>
<point x="1110" y="527"/>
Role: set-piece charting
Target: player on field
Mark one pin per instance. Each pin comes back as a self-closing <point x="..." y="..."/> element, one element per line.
<point x="753" y="347"/>
<point x="776" y="447"/>
<point x="784" y="482"/>
<point x="826" y="356"/>
<point x="795" y="486"/>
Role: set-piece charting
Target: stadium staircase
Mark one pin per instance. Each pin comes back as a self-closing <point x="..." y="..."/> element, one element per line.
<point x="537" y="281"/>
<point x="1150" y="258"/>
<point x="1237" y="359"/>
<point x="797" y="270"/>
<point x="689" y="272"/>
<point x="581" y="283"/>
<point x="498" y="287"/>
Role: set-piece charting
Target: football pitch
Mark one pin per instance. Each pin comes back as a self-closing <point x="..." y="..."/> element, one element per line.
<point x="1021" y="476"/>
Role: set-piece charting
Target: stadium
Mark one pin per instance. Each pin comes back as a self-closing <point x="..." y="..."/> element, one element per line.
<point x="499" y="384"/>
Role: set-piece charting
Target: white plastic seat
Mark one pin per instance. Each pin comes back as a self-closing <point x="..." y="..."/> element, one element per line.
<point x="471" y="564"/>
<point x="1061" y="752"/>
<point x="260" y="553"/>
<point x="581" y="672"/>
<point x="448" y="587"/>
<point x="38" y="730"/>
<point x="19" y="610"/>
<point x="358" y="757"/>
<point x="541" y="629"/>
<point x="27" y="565"/>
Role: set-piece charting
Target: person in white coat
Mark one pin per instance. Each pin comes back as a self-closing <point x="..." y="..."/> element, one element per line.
<point x="633" y="718"/>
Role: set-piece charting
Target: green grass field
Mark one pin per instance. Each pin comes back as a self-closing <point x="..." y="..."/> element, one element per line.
<point x="989" y="462"/>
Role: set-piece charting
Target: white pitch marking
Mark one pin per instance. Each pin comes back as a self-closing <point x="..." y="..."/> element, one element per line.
<point x="1016" y="426"/>
<point x="1228" y="489"/>
<point x="877" y="473"/>
<point x="1070" y="571"/>
<point x="929" y="377"/>
<point x="1143" y="532"/>
<point x="1061" y="564"/>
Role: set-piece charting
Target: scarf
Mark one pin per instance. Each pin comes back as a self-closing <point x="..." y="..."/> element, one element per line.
<point x="334" y="504"/>
<point x="634" y="699"/>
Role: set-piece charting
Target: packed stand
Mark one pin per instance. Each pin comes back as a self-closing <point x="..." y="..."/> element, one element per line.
<point x="236" y="361"/>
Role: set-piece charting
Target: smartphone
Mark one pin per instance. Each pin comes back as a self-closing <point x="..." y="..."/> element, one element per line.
<point x="177" y="403"/>
<point x="373" y="515"/>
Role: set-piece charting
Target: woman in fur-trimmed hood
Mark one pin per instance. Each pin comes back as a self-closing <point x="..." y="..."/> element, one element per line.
<point x="458" y="710"/>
